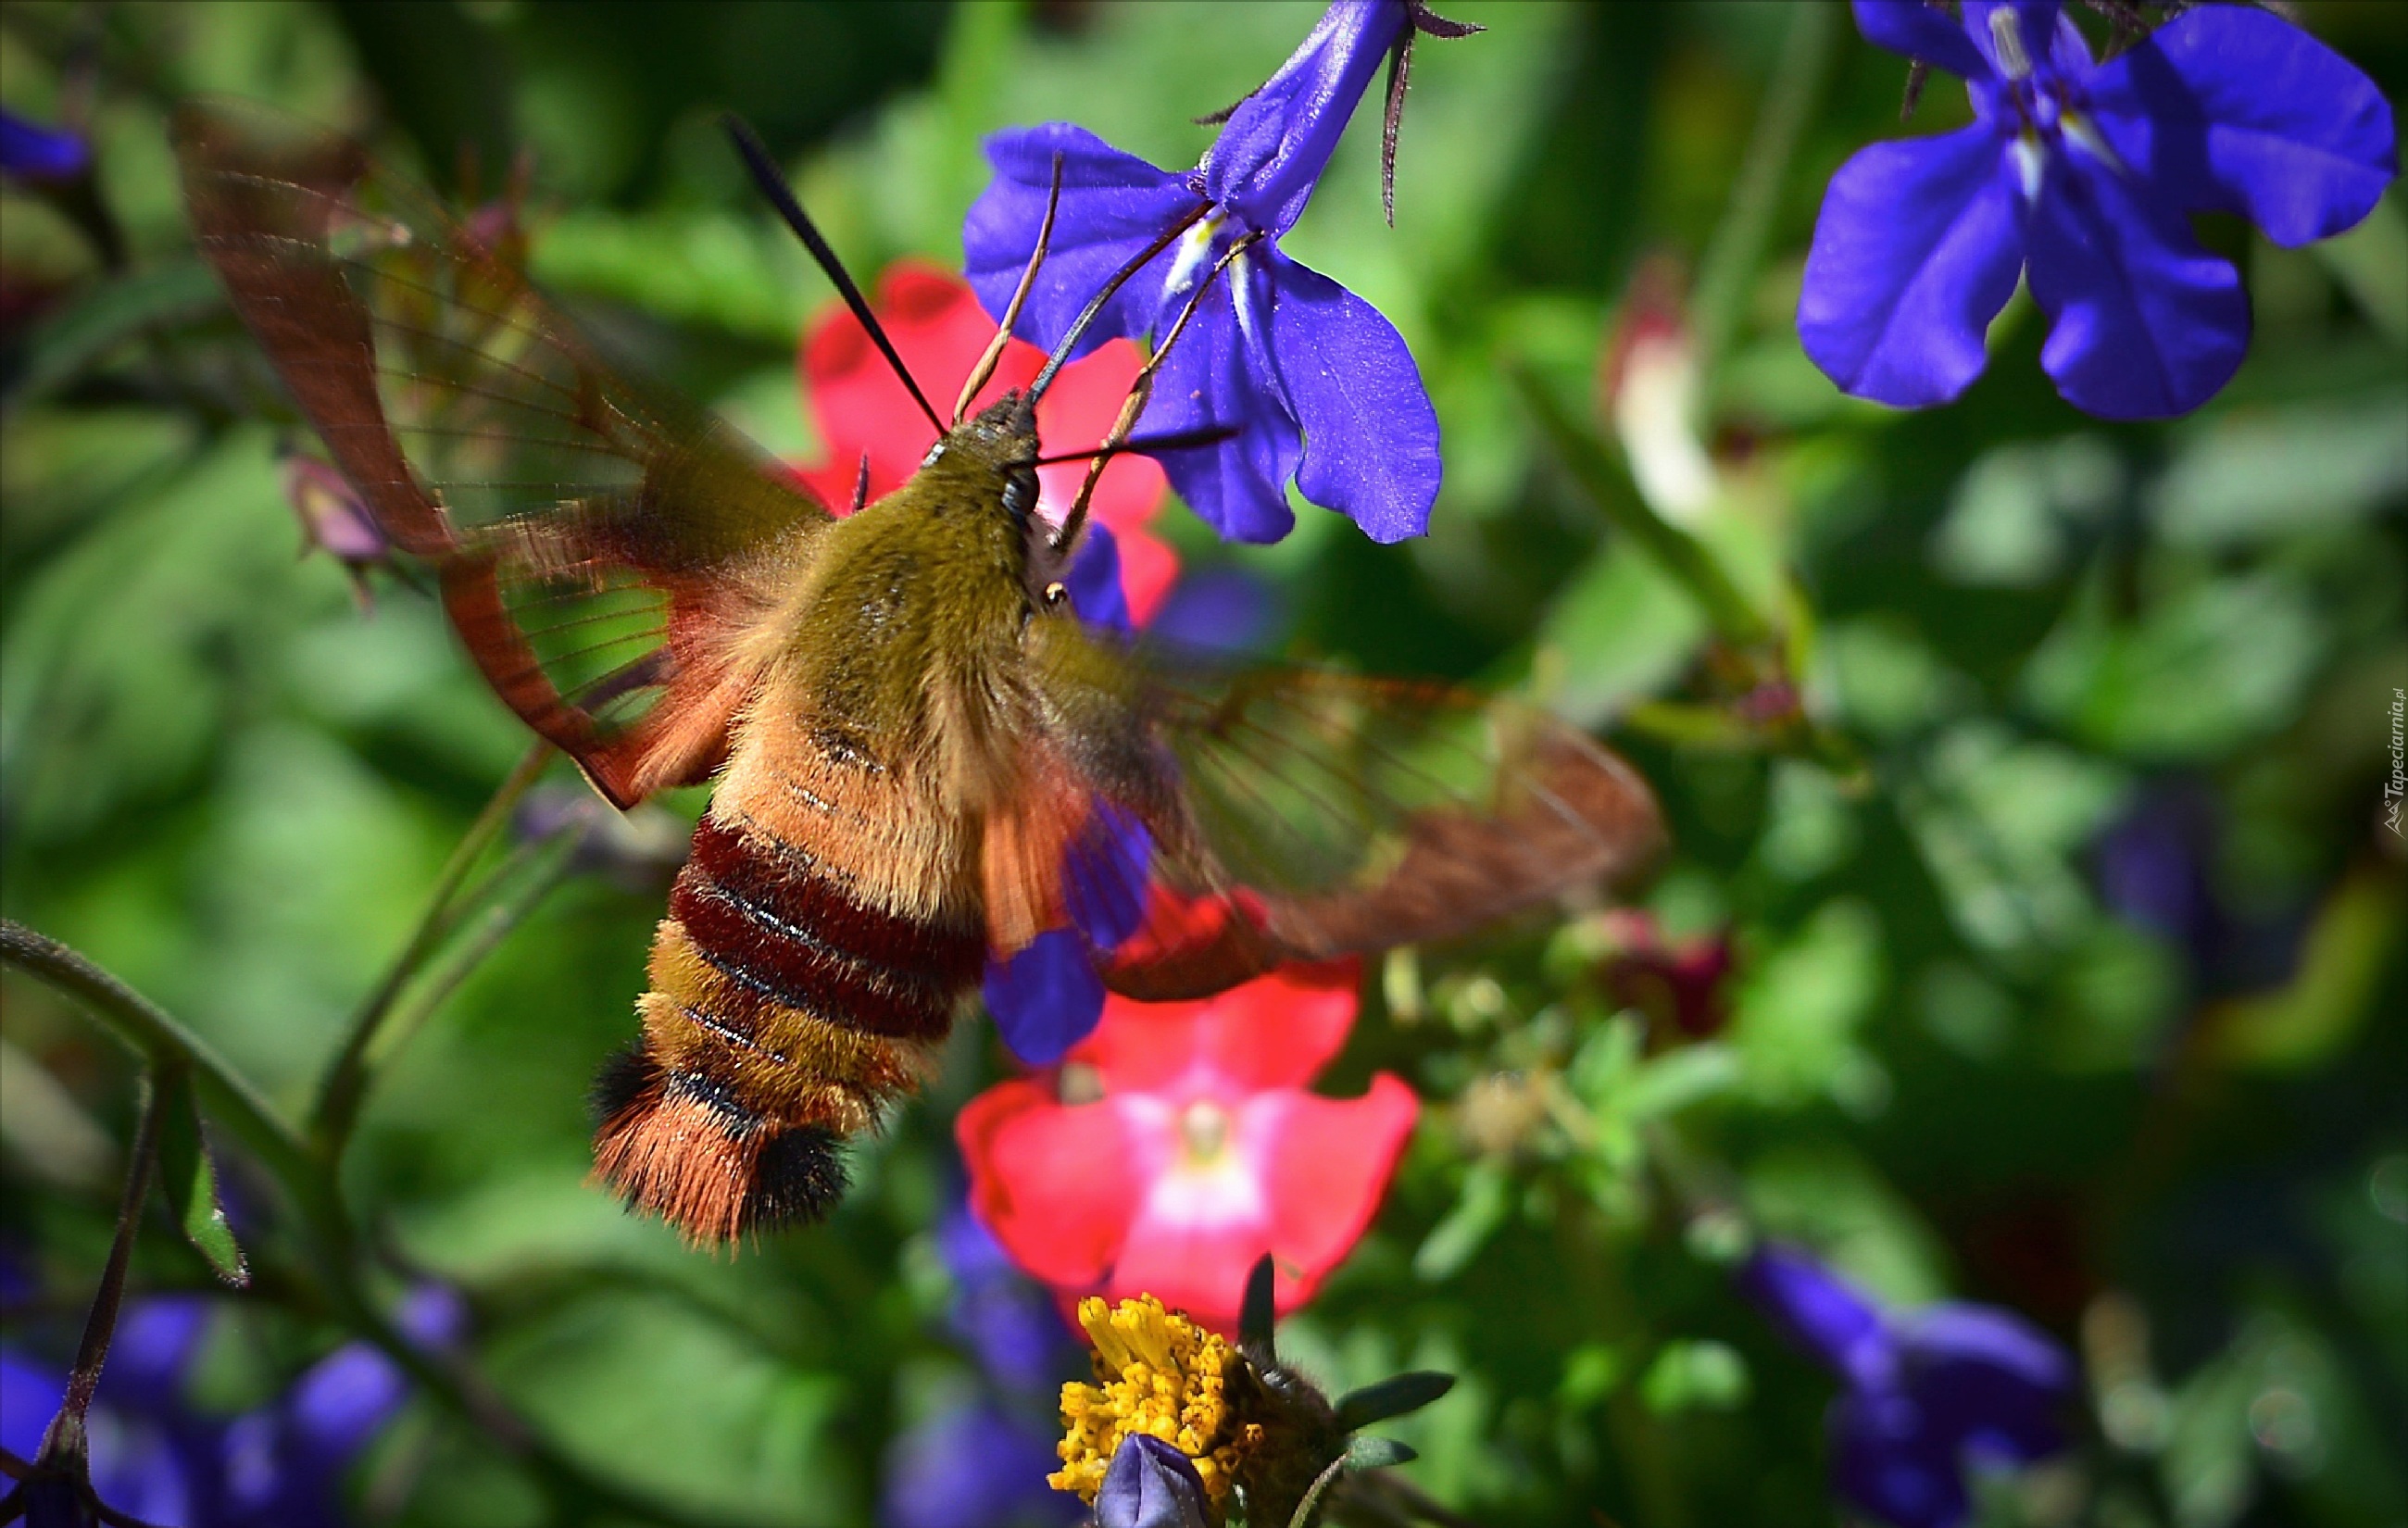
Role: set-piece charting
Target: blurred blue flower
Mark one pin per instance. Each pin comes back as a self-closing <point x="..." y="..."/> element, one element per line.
<point x="1317" y="381"/>
<point x="30" y="151"/>
<point x="1927" y="1391"/>
<point x="974" y="1467"/>
<point x="1006" y="1320"/>
<point x="1048" y="996"/>
<point x="2080" y="176"/>
<point x="1151" y="1484"/>
<point x="277" y="1466"/>
<point x="1226" y="609"/>
<point x="984" y="1463"/>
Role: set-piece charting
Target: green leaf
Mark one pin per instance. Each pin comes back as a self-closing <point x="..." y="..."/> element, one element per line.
<point x="1257" y="1314"/>
<point x="1455" y="1240"/>
<point x="1378" y="1453"/>
<point x="81" y="336"/>
<point x="1391" y="1397"/>
<point x="1694" y="1375"/>
<point x="191" y="1179"/>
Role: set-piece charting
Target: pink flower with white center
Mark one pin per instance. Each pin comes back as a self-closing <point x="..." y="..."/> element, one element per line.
<point x="1176" y="1145"/>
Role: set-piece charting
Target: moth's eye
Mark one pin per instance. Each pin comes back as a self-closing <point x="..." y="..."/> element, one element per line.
<point x="1020" y="494"/>
<point x="934" y="451"/>
<point x="1056" y="592"/>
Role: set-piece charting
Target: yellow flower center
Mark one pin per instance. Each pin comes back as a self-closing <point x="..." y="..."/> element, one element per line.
<point x="1159" y="1374"/>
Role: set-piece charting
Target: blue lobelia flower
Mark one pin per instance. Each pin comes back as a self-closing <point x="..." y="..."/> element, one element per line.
<point x="1002" y="1317"/>
<point x="1048" y="996"/>
<point x="1317" y="383"/>
<point x="1927" y="1391"/>
<point x="2080" y="176"/>
<point x="974" y="1467"/>
<point x="30" y="151"/>
<point x="982" y="1462"/>
<point x="279" y="1465"/>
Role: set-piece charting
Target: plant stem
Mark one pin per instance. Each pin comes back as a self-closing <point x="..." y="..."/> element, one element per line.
<point x="491" y="927"/>
<point x="329" y="1236"/>
<point x="340" y="1092"/>
<point x="159" y="1039"/>
<point x="62" y="1445"/>
<point x="1727" y="275"/>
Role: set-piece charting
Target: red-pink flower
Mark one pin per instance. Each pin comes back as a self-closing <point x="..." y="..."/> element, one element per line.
<point x="1176" y="1146"/>
<point x="940" y="330"/>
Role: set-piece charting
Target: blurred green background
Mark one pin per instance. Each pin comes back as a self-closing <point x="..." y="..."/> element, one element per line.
<point x="2033" y="645"/>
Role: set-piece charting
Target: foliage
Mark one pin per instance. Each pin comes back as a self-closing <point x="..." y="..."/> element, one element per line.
<point x="2031" y="907"/>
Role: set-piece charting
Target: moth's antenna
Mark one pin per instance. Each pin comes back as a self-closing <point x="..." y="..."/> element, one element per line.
<point x="1096" y="304"/>
<point x="1175" y="440"/>
<point x="1140" y="392"/>
<point x="772" y="183"/>
<point x="986" y="363"/>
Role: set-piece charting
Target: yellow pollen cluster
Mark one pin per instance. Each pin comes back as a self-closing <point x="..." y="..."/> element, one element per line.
<point x="1159" y="1374"/>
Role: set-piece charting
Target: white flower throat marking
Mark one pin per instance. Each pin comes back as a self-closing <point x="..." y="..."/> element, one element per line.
<point x="1204" y="1130"/>
<point x="2044" y="106"/>
<point x="1195" y="251"/>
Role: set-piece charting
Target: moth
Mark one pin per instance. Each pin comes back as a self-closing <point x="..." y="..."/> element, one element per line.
<point x="921" y="757"/>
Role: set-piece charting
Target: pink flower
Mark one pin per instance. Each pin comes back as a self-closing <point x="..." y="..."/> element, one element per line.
<point x="940" y="330"/>
<point x="1176" y="1145"/>
<point x="334" y="519"/>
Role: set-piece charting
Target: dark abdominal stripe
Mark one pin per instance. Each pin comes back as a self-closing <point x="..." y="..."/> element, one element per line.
<point x="799" y="941"/>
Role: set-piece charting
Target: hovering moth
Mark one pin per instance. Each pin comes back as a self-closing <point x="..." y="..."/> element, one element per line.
<point x="921" y="757"/>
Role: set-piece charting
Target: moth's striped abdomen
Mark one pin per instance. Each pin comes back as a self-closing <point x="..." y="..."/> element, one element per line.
<point x="796" y="988"/>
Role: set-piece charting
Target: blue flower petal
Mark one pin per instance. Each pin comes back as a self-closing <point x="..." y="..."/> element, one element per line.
<point x="1006" y="1320"/>
<point x="1915" y="29"/>
<point x="35" y="152"/>
<point x="1151" y="1484"/>
<point x="1211" y="376"/>
<point x="339" y="1402"/>
<point x="1094" y="580"/>
<point x="138" y="1468"/>
<point x="1225" y="609"/>
<point x="1886" y="1463"/>
<point x="154" y="1340"/>
<point x="1914" y="252"/>
<point x="1821" y="1312"/>
<point x="1272" y="149"/>
<point x="1370" y="435"/>
<point x="2231" y="108"/>
<point x="1986" y="1380"/>
<point x="972" y="1467"/>
<point x="30" y="1395"/>
<point x="1113" y="206"/>
<point x="1046" y="998"/>
<point x="2143" y="323"/>
<point x="1105" y="876"/>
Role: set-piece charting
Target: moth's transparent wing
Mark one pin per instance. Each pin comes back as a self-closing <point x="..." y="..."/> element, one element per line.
<point x="1242" y="816"/>
<point x="591" y="531"/>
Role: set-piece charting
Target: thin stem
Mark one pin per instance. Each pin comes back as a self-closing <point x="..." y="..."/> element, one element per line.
<point x="491" y="927"/>
<point x="153" y="1034"/>
<point x="1727" y="272"/>
<point x="332" y="1243"/>
<point x="63" y="1443"/>
<point x="341" y="1093"/>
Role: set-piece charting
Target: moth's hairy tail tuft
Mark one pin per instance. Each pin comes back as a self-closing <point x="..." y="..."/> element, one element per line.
<point x="675" y="1144"/>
